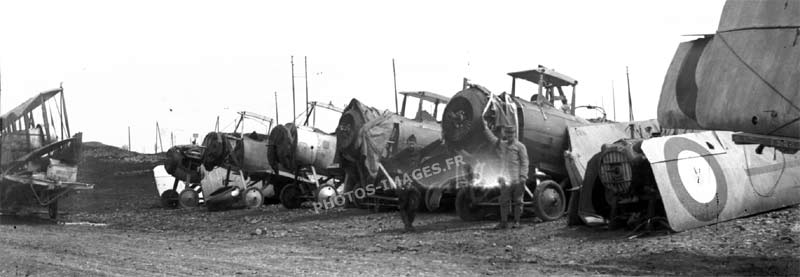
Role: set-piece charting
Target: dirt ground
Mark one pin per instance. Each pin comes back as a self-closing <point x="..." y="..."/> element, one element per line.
<point x="141" y="238"/>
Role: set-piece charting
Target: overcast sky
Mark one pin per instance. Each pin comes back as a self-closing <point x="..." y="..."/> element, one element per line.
<point x="183" y="63"/>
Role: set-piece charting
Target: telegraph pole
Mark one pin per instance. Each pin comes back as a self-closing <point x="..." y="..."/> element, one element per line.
<point x="277" y="121"/>
<point x="294" y="105"/>
<point x="394" y="76"/>
<point x="305" y="61"/>
<point x="129" y="139"/>
<point x="630" y="101"/>
<point x="614" y="100"/>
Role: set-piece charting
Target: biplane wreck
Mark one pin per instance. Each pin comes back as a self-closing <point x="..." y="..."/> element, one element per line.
<point x="470" y="127"/>
<point x="684" y="178"/>
<point x="370" y="141"/>
<point x="306" y="154"/>
<point x="228" y="169"/>
<point x="38" y="155"/>
<point x="744" y="78"/>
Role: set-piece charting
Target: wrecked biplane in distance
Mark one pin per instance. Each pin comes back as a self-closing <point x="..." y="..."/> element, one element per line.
<point x="305" y="154"/>
<point x="369" y="140"/>
<point x="234" y="166"/>
<point x="38" y="155"/>
<point x="223" y="162"/>
<point x="469" y="126"/>
<point x="699" y="178"/>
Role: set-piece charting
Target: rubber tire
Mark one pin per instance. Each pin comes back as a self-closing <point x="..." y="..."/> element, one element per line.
<point x="189" y="198"/>
<point x="169" y="199"/>
<point x="428" y="196"/>
<point x="290" y="196"/>
<point x="541" y="208"/>
<point x="253" y="199"/>
<point x="465" y="208"/>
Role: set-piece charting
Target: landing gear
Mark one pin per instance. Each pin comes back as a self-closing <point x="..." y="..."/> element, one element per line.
<point x="189" y="198"/>
<point x="467" y="207"/>
<point x="549" y="201"/>
<point x="291" y="196"/>
<point x="253" y="198"/>
<point x="169" y="198"/>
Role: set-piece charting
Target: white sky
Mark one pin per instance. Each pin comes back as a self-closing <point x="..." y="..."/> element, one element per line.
<point x="128" y="63"/>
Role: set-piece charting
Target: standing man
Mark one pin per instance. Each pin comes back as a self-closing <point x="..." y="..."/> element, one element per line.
<point x="514" y="161"/>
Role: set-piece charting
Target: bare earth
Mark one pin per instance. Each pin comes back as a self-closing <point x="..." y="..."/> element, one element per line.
<point x="142" y="238"/>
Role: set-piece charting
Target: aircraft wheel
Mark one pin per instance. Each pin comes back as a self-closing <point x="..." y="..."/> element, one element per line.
<point x="433" y="198"/>
<point x="325" y="192"/>
<point x="465" y="208"/>
<point x="189" y="198"/>
<point x="169" y="199"/>
<point x="549" y="201"/>
<point x="253" y="198"/>
<point x="290" y="196"/>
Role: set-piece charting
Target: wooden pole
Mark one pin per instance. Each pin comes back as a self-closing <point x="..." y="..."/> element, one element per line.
<point x="129" y="138"/>
<point x="394" y="77"/>
<point x="276" y="108"/>
<point x="294" y="105"/>
<point x="305" y="69"/>
<point x="614" y="100"/>
<point x="630" y="101"/>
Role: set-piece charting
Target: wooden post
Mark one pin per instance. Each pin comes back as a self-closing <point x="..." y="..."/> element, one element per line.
<point x="613" y="100"/>
<point x="294" y="105"/>
<point x="129" y="138"/>
<point x="630" y="101"/>
<point x="394" y="77"/>
<point x="276" y="108"/>
<point x="305" y="68"/>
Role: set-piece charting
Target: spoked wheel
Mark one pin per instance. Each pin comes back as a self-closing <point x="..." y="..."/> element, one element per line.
<point x="189" y="198"/>
<point x="466" y="208"/>
<point x="169" y="199"/>
<point x="253" y="198"/>
<point x="291" y="196"/>
<point x="549" y="201"/>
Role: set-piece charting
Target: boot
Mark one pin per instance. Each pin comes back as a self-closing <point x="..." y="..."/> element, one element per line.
<point x="503" y="217"/>
<point x="517" y="214"/>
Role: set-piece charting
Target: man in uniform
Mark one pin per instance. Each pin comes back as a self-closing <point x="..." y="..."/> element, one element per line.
<point x="514" y="161"/>
<point x="408" y="194"/>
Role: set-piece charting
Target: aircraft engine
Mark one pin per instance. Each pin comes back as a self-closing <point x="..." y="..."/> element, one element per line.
<point x="182" y="162"/>
<point x="293" y="147"/>
<point x="469" y="125"/>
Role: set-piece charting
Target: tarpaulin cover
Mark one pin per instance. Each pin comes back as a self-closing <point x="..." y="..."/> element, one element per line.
<point x="374" y="137"/>
<point x="744" y="78"/>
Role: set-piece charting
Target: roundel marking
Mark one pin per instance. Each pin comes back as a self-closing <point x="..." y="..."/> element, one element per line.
<point x="696" y="178"/>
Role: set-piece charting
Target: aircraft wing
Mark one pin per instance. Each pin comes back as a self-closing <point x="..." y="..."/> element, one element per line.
<point x="705" y="178"/>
